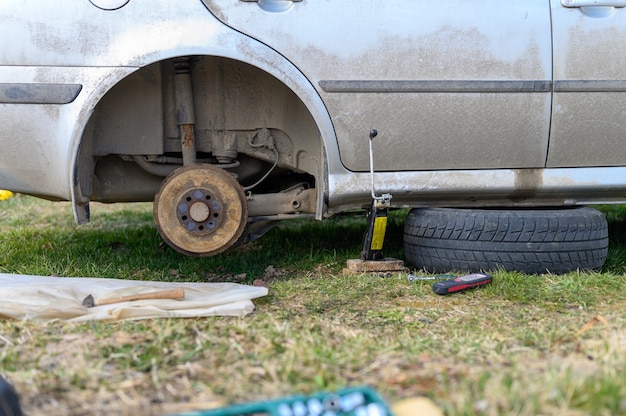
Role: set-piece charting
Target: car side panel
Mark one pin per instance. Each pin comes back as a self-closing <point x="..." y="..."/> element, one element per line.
<point x="589" y="113"/>
<point x="448" y="84"/>
<point x="37" y="138"/>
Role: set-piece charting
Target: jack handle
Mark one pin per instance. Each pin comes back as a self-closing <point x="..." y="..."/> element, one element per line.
<point x="384" y="198"/>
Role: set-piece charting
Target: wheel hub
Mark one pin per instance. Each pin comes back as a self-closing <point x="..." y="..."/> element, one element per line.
<point x="200" y="210"/>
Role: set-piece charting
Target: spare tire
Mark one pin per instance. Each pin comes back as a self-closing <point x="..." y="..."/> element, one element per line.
<point x="531" y="241"/>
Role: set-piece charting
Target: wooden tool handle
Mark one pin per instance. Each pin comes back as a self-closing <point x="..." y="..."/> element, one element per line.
<point x="177" y="293"/>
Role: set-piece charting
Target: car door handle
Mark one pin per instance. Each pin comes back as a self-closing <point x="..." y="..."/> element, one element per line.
<point x="593" y="3"/>
<point x="274" y="6"/>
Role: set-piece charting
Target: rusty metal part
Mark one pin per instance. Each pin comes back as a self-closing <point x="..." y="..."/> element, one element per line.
<point x="297" y="200"/>
<point x="224" y="146"/>
<point x="164" y="165"/>
<point x="185" y="113"/>
<point x="200" y="210"/>
<point x="188" y="144"/>
<point x="154" y="168"/>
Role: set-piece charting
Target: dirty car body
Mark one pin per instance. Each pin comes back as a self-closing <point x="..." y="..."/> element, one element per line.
<point x="477" y="104"/>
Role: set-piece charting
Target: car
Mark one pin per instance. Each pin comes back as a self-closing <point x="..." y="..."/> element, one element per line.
<point x="499" y="123"/>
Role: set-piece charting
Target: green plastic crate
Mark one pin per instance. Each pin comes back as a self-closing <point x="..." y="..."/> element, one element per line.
<point x="358" y="401"/>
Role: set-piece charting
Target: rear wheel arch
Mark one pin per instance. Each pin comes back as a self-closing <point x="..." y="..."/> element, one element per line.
<point x="245" y="106"/>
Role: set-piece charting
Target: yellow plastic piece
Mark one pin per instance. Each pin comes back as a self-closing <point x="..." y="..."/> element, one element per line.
<point x="421" y="406"/>
<point x="378" y="237"/>
<point x="5" y="195"/>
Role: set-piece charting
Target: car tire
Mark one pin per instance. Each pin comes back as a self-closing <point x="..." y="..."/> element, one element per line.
<point x="531" y="241"/>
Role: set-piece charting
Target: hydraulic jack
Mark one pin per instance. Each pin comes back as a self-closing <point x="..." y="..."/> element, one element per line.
<point x="372" y="258"/>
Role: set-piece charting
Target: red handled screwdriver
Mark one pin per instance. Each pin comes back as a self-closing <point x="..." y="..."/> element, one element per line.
<point x="461" y="283"/>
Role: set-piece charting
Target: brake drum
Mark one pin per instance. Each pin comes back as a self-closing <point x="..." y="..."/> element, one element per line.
<point x="200" y="210"/>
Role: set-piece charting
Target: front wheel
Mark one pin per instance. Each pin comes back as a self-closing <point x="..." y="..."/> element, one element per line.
<point x="532" y="241"/>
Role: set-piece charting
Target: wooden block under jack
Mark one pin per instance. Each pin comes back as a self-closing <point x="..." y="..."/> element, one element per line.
<point x="388" y="265"/>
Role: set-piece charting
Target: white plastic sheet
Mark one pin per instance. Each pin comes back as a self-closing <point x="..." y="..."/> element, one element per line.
<point x="43" y="298"/>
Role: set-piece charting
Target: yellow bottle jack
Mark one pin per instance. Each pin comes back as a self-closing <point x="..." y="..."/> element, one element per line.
<point x="372" y="258"/>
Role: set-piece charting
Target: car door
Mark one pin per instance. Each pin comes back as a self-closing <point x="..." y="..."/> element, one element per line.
<point x="589" y="115"/>
<point x="449" y="84"/>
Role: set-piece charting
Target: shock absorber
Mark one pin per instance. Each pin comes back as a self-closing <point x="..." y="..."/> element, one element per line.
<point x="185" y="114"/>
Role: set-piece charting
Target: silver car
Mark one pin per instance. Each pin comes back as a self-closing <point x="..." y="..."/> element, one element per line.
<point x="498" y="121"/>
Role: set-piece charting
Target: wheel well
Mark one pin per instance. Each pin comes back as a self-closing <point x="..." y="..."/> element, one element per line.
<point x="241" y="115"/>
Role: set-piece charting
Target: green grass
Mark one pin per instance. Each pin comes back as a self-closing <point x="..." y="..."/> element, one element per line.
<point x="514" y="347"/>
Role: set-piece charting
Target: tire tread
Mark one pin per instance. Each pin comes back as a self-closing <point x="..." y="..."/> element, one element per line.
<point x="529" y="241"/>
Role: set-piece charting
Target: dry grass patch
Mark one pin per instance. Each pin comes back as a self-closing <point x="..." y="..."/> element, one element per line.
<point x="524" y="345"/>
